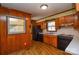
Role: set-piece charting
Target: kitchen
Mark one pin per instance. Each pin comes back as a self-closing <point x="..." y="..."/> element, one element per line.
<point x="59" y="30"/>
<point x="65" y="29"/>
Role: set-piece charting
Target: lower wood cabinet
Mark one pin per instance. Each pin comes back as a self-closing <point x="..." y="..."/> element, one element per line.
<point x="51" y="39"/>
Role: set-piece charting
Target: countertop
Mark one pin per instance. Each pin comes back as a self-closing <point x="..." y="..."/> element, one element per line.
<point x="49" y="33"/>
<point x="73" y="47"/>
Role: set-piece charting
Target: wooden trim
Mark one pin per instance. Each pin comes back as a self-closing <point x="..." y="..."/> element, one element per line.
<point x="57" y="13"/>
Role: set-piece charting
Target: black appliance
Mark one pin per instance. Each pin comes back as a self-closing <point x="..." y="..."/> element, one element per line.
<point x="36" y="34"/>
<point x="63" y="41"/>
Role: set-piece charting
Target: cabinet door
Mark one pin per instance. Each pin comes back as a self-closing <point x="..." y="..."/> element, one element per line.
<point x="58" y="23"/>
<point x="47" y="39"/>
<point x="69" y="19"/>
<point x="76" y="21"/>
<point x="77" y="6"/>
<point x="61" y="20"/>
<point x="53" y="40"/>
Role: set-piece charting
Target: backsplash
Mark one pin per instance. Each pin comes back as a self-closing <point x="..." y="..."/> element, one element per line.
<point x="66" y="30"/>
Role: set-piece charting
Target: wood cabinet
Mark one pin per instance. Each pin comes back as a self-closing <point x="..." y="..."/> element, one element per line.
<point x="51" y="39"/>
<point x="42" y="24"/>
<point x="47" y="39"/>
<point x="65" y="21"/>
<point x="77" y="6"/>
<point x="58" y="23"/>
<point x="69" y="19"/>
<point x="76" y="21"/>
<point x="61" y="20"/>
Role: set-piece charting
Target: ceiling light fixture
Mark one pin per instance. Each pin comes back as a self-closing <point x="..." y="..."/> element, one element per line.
<point x="44" y="6"/>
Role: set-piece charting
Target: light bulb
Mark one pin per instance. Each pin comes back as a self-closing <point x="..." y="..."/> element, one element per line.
<point x="44" y="6"/>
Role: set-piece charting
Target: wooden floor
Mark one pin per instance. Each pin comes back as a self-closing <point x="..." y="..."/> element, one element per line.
<point x="39" y="48"/>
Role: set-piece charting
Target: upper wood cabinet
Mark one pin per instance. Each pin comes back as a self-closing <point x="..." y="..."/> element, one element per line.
<point x="65" y="20"/>
<point x="58" y="23"/>
<point x="69" y="19"/>
<point x="76" y="21"/>
<point x="61" y="20"/>
<point x="42" y="24"/>
<point x="77" y="6"/>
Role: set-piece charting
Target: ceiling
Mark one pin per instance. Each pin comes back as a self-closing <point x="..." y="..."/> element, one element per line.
<point x="34" y="8"/>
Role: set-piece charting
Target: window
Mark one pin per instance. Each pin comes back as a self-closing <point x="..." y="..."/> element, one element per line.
<point x="51" y="26"/>
<point x="16" y="25"/>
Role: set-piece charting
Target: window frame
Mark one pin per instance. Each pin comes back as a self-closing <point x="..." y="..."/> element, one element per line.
<point x="51" y="26"/>
<point x="17" y="17"/>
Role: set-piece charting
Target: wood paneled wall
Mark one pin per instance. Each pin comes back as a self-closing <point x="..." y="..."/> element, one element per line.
<point x="15" y="42"/>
